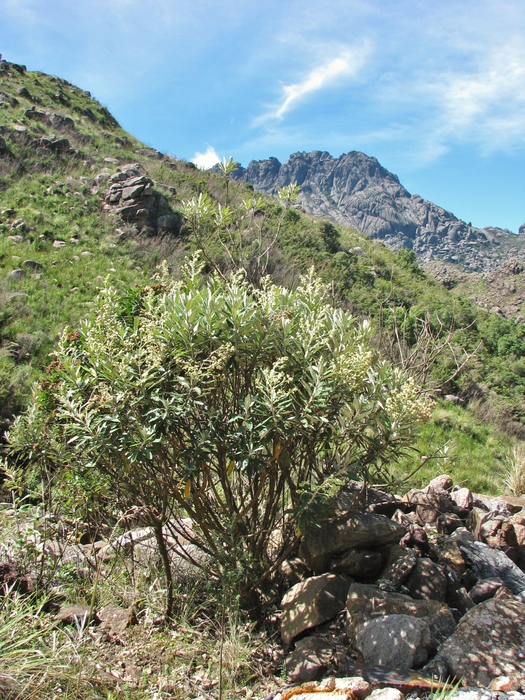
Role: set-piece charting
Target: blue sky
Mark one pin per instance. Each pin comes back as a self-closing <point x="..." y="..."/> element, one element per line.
<point x="435" y="89"/>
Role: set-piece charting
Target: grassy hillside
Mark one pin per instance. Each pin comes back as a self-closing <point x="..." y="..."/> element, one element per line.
<point x="60" y="243"/>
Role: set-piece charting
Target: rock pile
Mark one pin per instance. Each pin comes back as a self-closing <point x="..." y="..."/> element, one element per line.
<point x="131" y="196"/>
<point x="432" y="582"/>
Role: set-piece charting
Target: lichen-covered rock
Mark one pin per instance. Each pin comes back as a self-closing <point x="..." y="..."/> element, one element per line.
<point x="488" y="642"/>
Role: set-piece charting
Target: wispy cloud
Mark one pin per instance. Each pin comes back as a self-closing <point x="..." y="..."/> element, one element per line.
<point x="206" y="160"/>
<point x="348" y="64"/>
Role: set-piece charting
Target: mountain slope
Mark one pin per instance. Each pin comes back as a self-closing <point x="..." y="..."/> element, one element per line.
<point x="83" y="203"/>
<point x="355" y="190"/>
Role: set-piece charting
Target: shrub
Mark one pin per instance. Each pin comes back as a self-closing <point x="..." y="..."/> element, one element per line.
<point x="241" y="408"/>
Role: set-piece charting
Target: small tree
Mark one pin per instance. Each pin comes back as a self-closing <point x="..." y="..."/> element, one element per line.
<point x="235" y="406"/>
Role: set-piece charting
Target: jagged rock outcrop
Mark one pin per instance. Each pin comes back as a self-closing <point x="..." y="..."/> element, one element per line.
<point x="356" y="190"/>
<point x="132" y="197"/>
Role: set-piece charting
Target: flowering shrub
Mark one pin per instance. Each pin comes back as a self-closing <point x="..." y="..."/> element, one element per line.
<point x="241" y="408"/>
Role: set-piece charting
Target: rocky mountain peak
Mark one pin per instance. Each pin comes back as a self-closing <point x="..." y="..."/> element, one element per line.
<point x="356" y="190"/>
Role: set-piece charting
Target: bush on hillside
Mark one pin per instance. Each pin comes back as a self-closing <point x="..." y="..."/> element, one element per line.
<point x="241" y="408"/>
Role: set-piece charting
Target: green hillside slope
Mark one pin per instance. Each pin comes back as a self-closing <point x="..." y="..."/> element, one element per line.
<point x="83" y="203"/>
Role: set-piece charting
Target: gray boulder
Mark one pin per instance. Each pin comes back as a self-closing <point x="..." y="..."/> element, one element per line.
<point x="366" y="602"/>
<point x="488" y="642"/>
<point x="396" y="641"/>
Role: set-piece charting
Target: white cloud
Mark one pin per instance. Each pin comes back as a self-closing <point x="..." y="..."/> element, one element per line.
<point x="486" y="104"/>
<point x="206" y="160"/>
<point x="349" y="63"/>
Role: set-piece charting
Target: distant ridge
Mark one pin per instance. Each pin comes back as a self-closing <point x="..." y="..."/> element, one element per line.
<point x="356" y="190"/>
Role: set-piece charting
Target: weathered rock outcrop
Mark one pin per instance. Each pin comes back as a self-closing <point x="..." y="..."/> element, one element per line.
<point x="356" y="190"/>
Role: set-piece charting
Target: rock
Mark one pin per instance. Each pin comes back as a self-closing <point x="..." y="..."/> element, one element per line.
<point x="17" y="274"/>
<point x="415" y="537"/>
<point x="358" y="563"/>
<point x="116" y="619"/>
<point x="439" y="484"/>
<point x="491" y="563"/>
<point x="485" y="589"/>
<point x="59" y="146"/>
<point x="32" y="113"/>
<point x="328" y="689"/>
<point x="355" y="531"/>
<point x="309" y="660"/>
<point x="294" y="570"/>
<point x="169" y="222"/>
<point x="430" y="505"/>
<point x="60" y="122"/>
<point x="427" y="581"/>
<point x="311" y="602"/>
<point x="396" y="641"/>
<point x="77" y="614"/>
<point x="372" y="200"/>
<point x="16" y="239"/>
<point x="451" y="556"/>
<point x="18" y="225"/>
<point x="488" y="642"/>
<point x="24" y="92"/>
<point x="463" y="500"/>
<point x="386" y="694"/>
<point x="401" y="562"/>
<point x="32" y="265"/>
<point x="365" y="602"/>
<point x="58" y="244"/>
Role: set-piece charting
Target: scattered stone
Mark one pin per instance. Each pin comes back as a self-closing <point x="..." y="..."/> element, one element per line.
<point x="33" y="113"/>
<point x="18" y="225"/>
<point x="463" y="500"/>
<point x="395" y="641"/>
<point x="365" y="602"/>
<point x="32" y="265"/>
<point x="58" y="243"/>
<point x="76" y="614"/>
<point x="294" y="570"/>
<point x="16" y="239"/>
<point x="311" y="602"/>
<point x="386" y="694"/>
<point x="116" y="619"/>
<point x="401" y="562"/>
<point x="17" y="274"/>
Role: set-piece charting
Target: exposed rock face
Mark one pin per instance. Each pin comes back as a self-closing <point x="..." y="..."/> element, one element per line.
<point x="132" y="197"/>
<point x="355" y="190"/>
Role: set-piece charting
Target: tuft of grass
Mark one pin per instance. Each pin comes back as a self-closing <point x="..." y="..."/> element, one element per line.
<point x="514" y="475"/>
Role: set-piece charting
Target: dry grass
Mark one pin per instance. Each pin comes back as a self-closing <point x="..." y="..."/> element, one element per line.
<point x="514" y="481"/>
